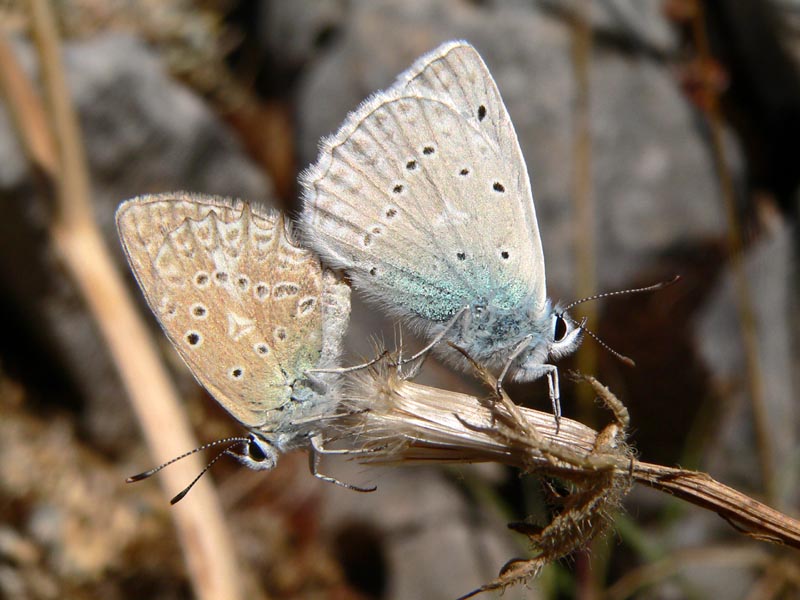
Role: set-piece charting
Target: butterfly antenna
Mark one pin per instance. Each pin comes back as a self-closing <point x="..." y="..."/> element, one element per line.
<point x="649" y="288"/>
<point x="185" y="491"/>
<point x="398" y="346"/>
<point x="622" y="358"/>
<point x="152" y="472"/>
<point x="582" y="326"/>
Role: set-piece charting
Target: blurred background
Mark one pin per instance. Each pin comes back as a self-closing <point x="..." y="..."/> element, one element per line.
<point x="661" y="137"/>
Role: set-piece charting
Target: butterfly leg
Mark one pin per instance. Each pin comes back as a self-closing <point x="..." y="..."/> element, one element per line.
<point x="514" y="354"/>
<point x="319" y="448"/>
<point x="317" y="445"/>
<point x="341" y="370"/>
<point x="314" y="457"/>
<point x="555" y="398"/>
<point x="438" y="338"/>
<point x="551" y="372"/>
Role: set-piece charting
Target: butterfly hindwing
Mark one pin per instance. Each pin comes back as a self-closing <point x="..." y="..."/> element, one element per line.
<point x="423" y="195"/>
<point x="242" y="303"/>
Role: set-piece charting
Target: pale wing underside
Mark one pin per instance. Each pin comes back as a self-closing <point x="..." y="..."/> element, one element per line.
<point x="423" y="195"/>
<point x="242" y="304"/>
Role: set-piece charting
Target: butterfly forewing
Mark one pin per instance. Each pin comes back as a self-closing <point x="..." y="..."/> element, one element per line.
<point x="242" y="303"/>
<point x="424" y="197"/>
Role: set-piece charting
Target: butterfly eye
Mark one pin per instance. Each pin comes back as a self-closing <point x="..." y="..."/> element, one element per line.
<point x="255" y="452"/>
<point x="560" y="329"/>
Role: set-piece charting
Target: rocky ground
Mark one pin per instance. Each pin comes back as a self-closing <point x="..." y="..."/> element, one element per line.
<point x="171" y="96"/>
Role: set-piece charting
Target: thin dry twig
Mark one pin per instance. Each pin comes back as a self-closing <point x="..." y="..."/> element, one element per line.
<point x="628" y="585"/>
<point x="582" y="188"/>
<point x="744" y="298"/>
<point x="397" y="421"/>
<point x="754" y="519"/>
<point x="55" y="148"/>
<point x="27" y="113"/>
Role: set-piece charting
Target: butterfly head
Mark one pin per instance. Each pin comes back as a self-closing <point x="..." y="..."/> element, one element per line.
<point x="259" y="454"/>
<point x="554" y="336"/>
<point x="565" y="335"/>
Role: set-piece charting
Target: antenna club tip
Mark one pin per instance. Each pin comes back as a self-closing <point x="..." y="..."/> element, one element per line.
<point x="675" y="279"/>
<point x="139" y="477"/>
<point x="628" y="361"/>
<point x="178" y="497"/>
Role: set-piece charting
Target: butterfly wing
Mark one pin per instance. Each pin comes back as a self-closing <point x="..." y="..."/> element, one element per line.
<point x="244" y="306"/>
<point x="423" y="195"/>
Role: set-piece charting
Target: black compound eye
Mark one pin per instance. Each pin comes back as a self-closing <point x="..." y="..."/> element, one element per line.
<point x="560" y="329"/>
<point x="255" y="452"/>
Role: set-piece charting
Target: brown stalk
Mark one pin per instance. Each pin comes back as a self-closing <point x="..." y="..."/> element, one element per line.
<point x="402" y="422"/>
<point x="582" y="188"/>
<point x="52" y="139"/>
<point x="397" y="421"/>
<point x="743" y="513"/>
<point x="744" y="298"/>
<point x="584" y="242"/>
<point x="631" y="583"/>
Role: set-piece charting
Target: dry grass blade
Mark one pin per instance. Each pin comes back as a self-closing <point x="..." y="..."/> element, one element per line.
<point x="742" y="512"/>
<point x="399" y="421"/>
<point x="53" y="143"/>
<point x="744" y="296"/>
<point x="396" y="421"/>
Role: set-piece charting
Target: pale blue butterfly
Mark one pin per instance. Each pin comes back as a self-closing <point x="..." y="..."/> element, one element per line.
<point x="423" y="197"/>
<point x="248" y="310"/>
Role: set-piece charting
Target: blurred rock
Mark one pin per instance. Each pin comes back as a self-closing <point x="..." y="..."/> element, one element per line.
<point x="655" y="183"/>
<point x="65" y="524"/>
<point x="435" y="543"/>
<point x="143" y="133"/>
<point x="653" y="175"/>
<point x="770" y="271"/>
<point x="637" y="26"/>
<point x="146" y="133"/>
<point x="292" y="32"/>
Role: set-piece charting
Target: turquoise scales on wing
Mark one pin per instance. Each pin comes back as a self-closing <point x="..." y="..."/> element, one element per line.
<point x="423" y="198"/>
<point x="434" y="274"/>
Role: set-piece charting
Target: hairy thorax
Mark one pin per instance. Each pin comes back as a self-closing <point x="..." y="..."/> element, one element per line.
<point x="490" y="335"/>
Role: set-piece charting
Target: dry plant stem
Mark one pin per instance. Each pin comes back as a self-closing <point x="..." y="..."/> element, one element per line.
<point x="744" y="299"/>
<point x="738" y="558"/>
<point x="411" y="423"/>
<point x="204" y="537"/>
<point x="587" y="583"/>
<point x="26" y="111"/>
<point x="742" y="512"/>
<point x="583" y="205"/>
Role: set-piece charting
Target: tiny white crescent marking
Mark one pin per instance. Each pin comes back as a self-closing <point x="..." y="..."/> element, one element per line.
<point x="239" y="326"/>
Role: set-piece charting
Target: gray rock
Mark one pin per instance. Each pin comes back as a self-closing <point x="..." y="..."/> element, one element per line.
<point x="771" y="280"/>
<point x="654" y="183"/>
<point x="654" y="177"/>
<point x="146" y="133"/>
<point x="638" y="25"/>
<point x="143" y="133"/>
<point x="292" y="31"/>
<point x="435" y="544"/>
